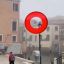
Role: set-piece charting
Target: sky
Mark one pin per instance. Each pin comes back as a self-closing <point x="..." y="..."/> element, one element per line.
<point x="50" y="8"/>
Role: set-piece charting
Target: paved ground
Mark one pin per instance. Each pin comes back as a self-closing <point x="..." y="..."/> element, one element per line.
<point x="45" y="59"/>
<point x="4" y="60"/>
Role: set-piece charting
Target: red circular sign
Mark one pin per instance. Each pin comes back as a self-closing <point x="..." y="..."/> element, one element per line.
<point x="41" y="28"/>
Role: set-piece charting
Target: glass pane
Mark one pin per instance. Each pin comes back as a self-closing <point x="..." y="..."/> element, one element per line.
<point x="56" y="28"/>
<point x="14" y="26"/>
<point x="14" y="38"/>
<point x="15" y="7"/>
<point x="0" y="37"/>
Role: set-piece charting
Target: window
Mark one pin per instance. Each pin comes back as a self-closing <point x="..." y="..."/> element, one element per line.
<point x="23" y="38"/>
<point x="56" y="28"/>
<point x="47" y="37"/>
<point x="15" y="7"/>
<point x="14" y="38"/>
<point x="48" y="28"/>
<point x="56" y="37"/>
<point x="30" y="38"/>
<point x="0" y="38"/>
<point x="14" y="24"/>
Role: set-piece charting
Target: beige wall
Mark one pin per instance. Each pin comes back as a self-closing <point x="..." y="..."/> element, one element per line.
<point x="7" y="15"/>
<point x="46" y="44"/>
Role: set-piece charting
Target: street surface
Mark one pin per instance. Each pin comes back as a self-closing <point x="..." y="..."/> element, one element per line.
<point x="45" y="59"/>
<point x="4" y="60"/>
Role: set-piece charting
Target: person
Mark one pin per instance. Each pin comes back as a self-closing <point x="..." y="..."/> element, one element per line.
<point x="11" y="58"/>
<point x="28" y="58"/>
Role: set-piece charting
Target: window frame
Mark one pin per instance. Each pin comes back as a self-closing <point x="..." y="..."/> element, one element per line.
<point x="30" y="38"/>
<point x="2" y="37"/>
<point x="57" y="37"/>
<point x="56" y="28"/>
<point x="12" y="38"/>
<point x="48" y="37"/>
<point x="48" y="29"/>
<point x="15" y="7"/>
<point x="45" y="38"/>
<point x="12" y="26"/>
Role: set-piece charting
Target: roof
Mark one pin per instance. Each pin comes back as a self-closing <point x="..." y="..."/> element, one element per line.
<point x="56" y="20"/>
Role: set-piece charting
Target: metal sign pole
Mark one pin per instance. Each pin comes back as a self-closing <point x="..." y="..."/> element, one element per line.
<point x="40" y="47"/>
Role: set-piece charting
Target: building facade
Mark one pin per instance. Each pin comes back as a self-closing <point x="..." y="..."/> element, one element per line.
<point x="9" y="21"/>
<point x="50" y="38"/>
<point x="46" y="36"/>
